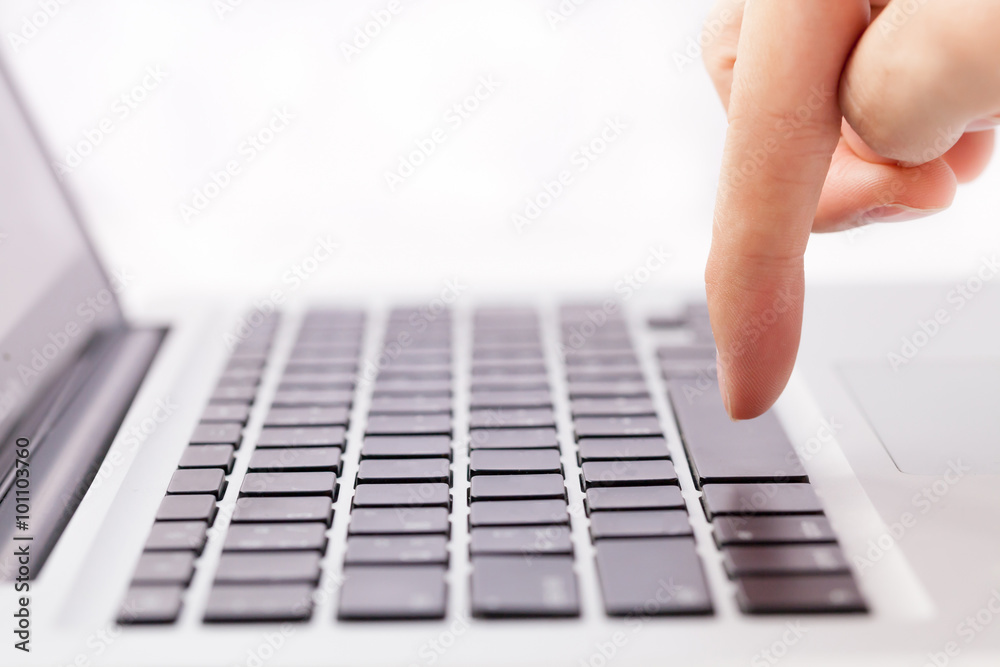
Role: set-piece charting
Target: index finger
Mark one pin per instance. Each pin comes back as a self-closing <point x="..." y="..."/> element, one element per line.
<point x="784" y="124"/>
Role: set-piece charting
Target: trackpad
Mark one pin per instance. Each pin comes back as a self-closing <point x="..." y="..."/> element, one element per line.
<point x="931" y="414"/>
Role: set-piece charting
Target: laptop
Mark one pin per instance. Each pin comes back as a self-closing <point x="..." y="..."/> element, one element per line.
<point x="533" y="480"/>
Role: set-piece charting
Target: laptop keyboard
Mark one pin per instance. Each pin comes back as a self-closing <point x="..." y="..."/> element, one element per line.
<point x="768" y="523"/>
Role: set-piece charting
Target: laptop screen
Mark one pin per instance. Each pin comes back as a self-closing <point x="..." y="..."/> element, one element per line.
<point x="53" y="292"/>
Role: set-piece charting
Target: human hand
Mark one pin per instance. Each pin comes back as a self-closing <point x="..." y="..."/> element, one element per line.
<point x="841" y="113"/>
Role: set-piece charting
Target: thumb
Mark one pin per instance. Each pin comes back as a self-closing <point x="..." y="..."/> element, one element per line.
<point x="921" y="76"/>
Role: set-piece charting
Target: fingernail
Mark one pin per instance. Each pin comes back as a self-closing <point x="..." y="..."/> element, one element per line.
<point x="720" y="371"/>
<point x="898" y="213"/>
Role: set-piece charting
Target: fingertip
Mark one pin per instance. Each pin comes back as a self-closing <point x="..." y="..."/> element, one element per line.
<point x="756" y="314"/>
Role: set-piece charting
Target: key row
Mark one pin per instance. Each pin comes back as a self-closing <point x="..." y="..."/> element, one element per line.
<point x="645" y="549"/>
<point x="179" y="532"/>
<point x="397" y="545"/>
<point x="767" y="520"/>
<point x="272" y="553"/>
<point x="521" y="553"/>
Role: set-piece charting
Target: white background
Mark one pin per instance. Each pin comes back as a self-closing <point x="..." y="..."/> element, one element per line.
<point x="226" y="73"/>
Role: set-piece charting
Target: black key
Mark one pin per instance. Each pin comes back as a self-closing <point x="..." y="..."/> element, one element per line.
<point x="510" y="399"/>
<point x="413" y="388"/>
<point x="411" y="446"/>
<point x="303" y="459"/>
<point x="741" y="561"/>
<point x="276" y="537"/>
<point x="217" y="434"/>
<point x="486" y="367"/>
<point x="250" y="361"/>
<point x="187" y="508"/>
<point x="304" y="436"/>
<point x="513" y="438"/>
<point x="226" y="412"/>
<point x="628" y="373"/>
<point x="407" y="521"/>
<point x="799" y="594"/>
<point x="402" y="495"/>
<point x="751" y="499"/>
<point x="210" y="481"/>
<point x="617" y="449"/>
<point x="651" y="577"/>
<point x="234" y="394"/>
<point x="238" y="378"/>
<point x="634" y="498"/>
<point x="721" y="450"/>
<point x="642" y="523"/>
<point x="289" y="484"/>
<point x="696" y="351"/>
<point x="616" y="427"/>
<point x="526" y="542"/>
<point x="518" y="513"/>
<point x="283" y="509"/>
<point x="404" y="470"/>
<point x="373" y="592"/>
<point x="409" y="425"/>
<point x="510" y="383"/>
<point x="508" y="353"/>
<point x="317" y="380"/>
<point x="208" y="456"/>
<point x="177" y="536"/>
<point x="268" y="568"/>
<point x="151" y="604"/>
<point x="259" y="602"/>
<point x="167" y="567"/>
<point x="291" y="398"/>
<point x="625" y="388"/>
<point x="772" y="529"/>
<point x="416" y="405"/>
<point x="517" y="487"/>
<point x="334" y="366"/>
<point x="627" y="473"/>
<point x="512" y="418"/>
<point x="414" y="373"/>
<point x="514" y="586"/>
<point x="612" y="407"/>
<point x="397" y="550"/>
<point x="689" y="369"/>
<point x="592" y="357"/>
<point x="337" y="415"/>
<point x="506" y="461"/>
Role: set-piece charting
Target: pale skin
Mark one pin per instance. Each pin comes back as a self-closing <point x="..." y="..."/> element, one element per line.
<point x="841" y="113"/>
